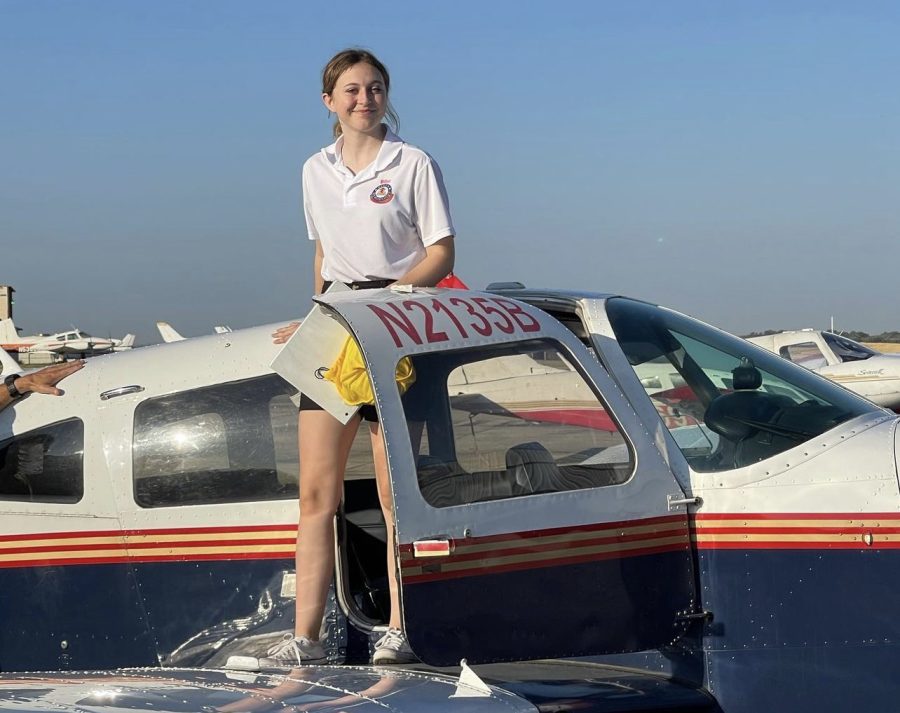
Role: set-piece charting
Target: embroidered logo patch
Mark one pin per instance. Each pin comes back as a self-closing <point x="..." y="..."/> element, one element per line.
<point x="383" y="194"/>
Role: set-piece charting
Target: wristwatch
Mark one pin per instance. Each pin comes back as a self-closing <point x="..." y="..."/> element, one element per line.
<point x="10" y="382"/>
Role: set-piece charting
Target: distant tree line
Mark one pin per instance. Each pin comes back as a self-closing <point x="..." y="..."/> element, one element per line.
<point x="853" y="334"/>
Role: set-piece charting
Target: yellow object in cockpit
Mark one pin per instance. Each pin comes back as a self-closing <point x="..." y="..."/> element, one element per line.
<point x="348" y="374"/>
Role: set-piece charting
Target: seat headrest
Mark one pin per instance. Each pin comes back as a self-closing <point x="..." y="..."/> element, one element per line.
<point x="746" y="377"/>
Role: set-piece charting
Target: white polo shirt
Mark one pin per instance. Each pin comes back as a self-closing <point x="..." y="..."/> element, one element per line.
<point x="377" y="224"/>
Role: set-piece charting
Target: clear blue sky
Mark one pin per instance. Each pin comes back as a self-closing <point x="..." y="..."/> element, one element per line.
<point x="739" y="161"/>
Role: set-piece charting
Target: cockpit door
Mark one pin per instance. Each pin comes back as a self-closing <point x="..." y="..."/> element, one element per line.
<point x="533" y="514"/>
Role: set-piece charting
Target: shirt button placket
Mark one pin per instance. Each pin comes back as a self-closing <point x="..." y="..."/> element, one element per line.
<point x="348" y="192"/>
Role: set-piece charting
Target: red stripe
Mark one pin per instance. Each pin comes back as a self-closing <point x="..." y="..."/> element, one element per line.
<point x="541" y="564"/>
<point x="148" y="558"/>
<point x="797" y="546"/>
<point x="799" y="516"/>
<point x="130" y="533"/>
<point x="598" y="419"/>
<point x="531" y="534"/>
<point x="796" y="530"/>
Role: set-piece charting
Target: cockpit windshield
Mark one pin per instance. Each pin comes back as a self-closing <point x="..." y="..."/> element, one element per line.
<point x="846" y="349"/>
<point x="727" y="402"/>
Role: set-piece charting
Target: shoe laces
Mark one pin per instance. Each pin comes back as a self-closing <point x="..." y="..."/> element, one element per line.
<point x="287" y="643"/>
<point x="393" y="639"/>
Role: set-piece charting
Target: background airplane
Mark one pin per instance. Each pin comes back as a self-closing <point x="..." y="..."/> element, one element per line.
<point x="170" y="334"/>
<point x="857" y="367"/>
<point x="74" y="342"/>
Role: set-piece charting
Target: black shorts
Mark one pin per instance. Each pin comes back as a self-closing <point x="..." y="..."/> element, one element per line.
<point x="367" y="411"/>
<point x="366" y="285"/>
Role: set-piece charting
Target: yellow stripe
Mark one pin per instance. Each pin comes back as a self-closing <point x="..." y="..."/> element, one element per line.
<point x="568" y="538"/>
<point x="555" y="405"/>
<point x="56" y="555"/>
<point x="220" y="536"/>
<point x="105" y="540"/>
<point x="863" y="377"/>
<point x="799" y="537"/>
<point x="146" y="552"/>
<point x="211" y="550"/>
<point x="833" y="523"/>
<point x="148" y="538"/>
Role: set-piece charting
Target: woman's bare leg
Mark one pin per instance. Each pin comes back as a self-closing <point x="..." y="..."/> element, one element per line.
<point x="382" y="481"/>
<point x="324" y="447"/>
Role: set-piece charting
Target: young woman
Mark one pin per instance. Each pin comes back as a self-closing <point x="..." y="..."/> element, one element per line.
<point x="378" y="212"/>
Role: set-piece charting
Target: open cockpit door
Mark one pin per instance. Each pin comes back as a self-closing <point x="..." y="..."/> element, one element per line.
<point x="532" y="509"/>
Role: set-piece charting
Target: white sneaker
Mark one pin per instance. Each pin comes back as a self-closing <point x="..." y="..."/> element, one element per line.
<point x="293" y="651"/>
<point x="393" y="648"/>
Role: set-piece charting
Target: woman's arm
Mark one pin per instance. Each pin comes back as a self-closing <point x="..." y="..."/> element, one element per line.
<point x="437" y="263"/>
<point x="318" y="280"/>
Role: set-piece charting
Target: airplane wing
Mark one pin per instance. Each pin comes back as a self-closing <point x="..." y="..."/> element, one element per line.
<point x="168" y="332"/>
<point x="370" y="690"/>
<point x="497" y="688"/>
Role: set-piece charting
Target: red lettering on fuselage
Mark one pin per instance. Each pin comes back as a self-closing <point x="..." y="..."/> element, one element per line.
<point x="481" y="315"/>
<point x="399" y="320"/>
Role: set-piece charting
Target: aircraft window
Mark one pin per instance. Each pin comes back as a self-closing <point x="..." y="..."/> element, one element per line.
<point x="44" y="465"/>
<point x="226" y="443"/>
<point x="509" y="421"/>
<point x="738" y="403"/>
<point x="847" y="349"/>
<point x="805" y="354"/>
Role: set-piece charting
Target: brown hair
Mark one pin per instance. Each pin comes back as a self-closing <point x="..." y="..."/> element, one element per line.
<point x="344" y="60"/>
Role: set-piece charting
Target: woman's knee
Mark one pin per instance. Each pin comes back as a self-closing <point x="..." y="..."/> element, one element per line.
<point x="321" y="498"/>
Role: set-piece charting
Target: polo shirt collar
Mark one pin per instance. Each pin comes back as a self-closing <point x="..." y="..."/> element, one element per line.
<point x="390" y="148"/>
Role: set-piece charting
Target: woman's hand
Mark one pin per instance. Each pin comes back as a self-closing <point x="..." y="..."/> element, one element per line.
<point x="282" y="334"/>
<point x="438" y="261"/>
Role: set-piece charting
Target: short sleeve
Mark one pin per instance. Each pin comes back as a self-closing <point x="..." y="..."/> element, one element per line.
<point x="307" y="204"/>
<point x="432" y="204"/>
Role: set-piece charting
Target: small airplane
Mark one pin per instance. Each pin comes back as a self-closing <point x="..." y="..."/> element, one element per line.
<point x="853" y="365"/>
<point x="73" y="342"/>
<point x="741" y="558"/>
<point x="170" y="334"/>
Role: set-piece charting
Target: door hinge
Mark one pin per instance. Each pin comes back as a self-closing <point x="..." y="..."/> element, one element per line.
<point x="696" y="616"/>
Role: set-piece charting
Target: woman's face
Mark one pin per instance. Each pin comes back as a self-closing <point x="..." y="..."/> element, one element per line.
<point x="359" y="99"/>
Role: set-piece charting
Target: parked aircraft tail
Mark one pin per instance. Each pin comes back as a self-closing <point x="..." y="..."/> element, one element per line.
<point x="8" y="332"/>
<point x="126" y="343"/>
<point x="168" y="332"/>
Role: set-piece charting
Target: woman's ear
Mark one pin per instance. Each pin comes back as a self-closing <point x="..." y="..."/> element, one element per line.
<point x="326" y="100"/>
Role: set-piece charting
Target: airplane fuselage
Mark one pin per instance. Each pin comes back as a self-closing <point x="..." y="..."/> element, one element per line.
<point x="735" y="526"/>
